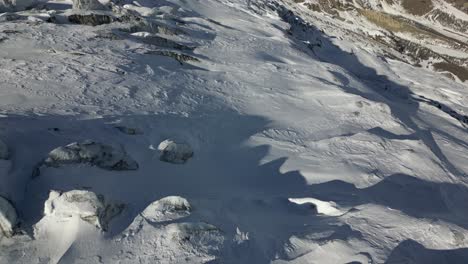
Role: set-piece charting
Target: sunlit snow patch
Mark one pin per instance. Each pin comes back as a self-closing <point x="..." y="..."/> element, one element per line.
<point x="8" y="217"/>
<point x="86" y="205"/>
<point x="326" y="208"/>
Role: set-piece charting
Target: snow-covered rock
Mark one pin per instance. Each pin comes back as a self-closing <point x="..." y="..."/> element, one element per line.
<point x="9" y="17"/>
<point x="91" y="19"/>
<point x="15" y="5"/>
<point x="94" y="153"/>
<point x="88" y="5"/>
<point x="191" y="242"/>
<point x="4" y="151"/>
<point x="87" y="205"/>
<point x="8" y="217"/>
<point x="175" y="152"/>
<point x="167" y="209"/>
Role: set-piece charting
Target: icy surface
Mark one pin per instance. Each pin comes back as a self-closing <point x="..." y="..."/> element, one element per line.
<point x="302" y="140"/>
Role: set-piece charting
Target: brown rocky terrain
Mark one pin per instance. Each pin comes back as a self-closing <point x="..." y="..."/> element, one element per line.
<point x="427" y="32"/>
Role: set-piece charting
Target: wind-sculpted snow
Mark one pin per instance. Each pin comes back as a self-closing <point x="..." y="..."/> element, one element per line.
<point x="298" y="140"/>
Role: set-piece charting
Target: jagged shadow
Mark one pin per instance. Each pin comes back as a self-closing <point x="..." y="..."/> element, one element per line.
<point x="224" y="176"/>
<point x="225" y="180"/>
<point x="408" y="194"/>
<point x="403" y="103"/>
<point x="409" y="251"/>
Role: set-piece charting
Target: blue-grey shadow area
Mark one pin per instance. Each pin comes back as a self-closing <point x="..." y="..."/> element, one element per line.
<point x="411" y="252"/>
<point x="410" y="195"/>
<point x="225" y="175"/>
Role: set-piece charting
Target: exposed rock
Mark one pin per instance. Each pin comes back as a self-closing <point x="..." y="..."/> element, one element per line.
<point x="175" y="152"/>
<point x="167" y="209"/>
<point x="92" y="19"/>
<point x="4" y="152"/>
<point x="194" y="231"/>
<point x="87" y="205"/>
<point x="96" y="154"/>
<point x="129" y="130"/>
<point x="178" y="240"/>
<point x="152" y="27"/>
<point x="8" y="217"/>
<point x="88" y="5"/>
<point x="181" y="58"/>
<point x="9" y="17"/>
<point x="152" y="39"/>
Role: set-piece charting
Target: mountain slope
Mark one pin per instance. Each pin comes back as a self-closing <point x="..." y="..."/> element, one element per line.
<point x="298" y="138"/>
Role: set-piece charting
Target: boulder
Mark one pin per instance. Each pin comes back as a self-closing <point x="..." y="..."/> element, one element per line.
<point x="129" y="130"/>
<point x="167" y="209"/>
<point x="175" y="152"/>
<point x="88" y="5"/>
<point x="91" y="19"/>
<point x="8" y="217"/>
<point x="87" y="205"/>
<point x="94" y="153"/>
<point x="152" y="39"/>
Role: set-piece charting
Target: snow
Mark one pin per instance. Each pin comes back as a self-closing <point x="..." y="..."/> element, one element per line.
<point x="8" y="218"/>
<point x="326" y="208"/>
<point x="86" y="205"/>
<point x="291" y="154"/>
<point x="167" y="209"/>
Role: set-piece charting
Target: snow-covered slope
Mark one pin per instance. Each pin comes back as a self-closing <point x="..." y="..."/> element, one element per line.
<point x="224" y="131"/>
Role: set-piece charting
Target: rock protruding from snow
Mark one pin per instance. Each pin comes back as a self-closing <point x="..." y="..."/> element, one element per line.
<point x="88" y="5"/>
<point x="4" y="152"/>
<point x="167" y="209"/>
<point x="129" y="130"/>
<point x="87" y="205"/>
<point x="175" y="152"/>
<point x="91" y="19"/>
<point x="94" y="153"/>
<point x="8" y="217"/>
<point x="192" y="242"/>
<point x="15" y="5"/>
